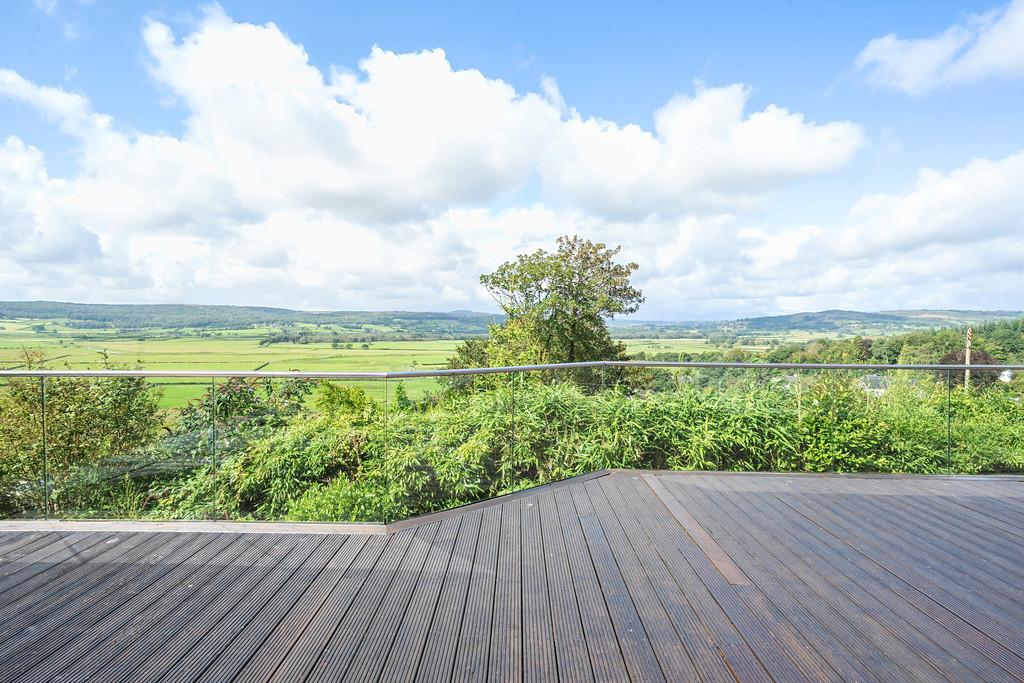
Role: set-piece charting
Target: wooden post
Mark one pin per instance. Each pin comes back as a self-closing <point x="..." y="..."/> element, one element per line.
<point x="967" y="358"/>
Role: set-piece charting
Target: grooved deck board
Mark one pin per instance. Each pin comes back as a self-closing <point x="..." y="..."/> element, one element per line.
<point x="11" y="541"/>
<point x="374" y="648"/>
<point x="570" y="651"/>
<point x="230" y="610"/>
<point x="505" y="659"/>
<point x="334" y="586"/>
<point x="241" y="636"/>
<point x="65" y="580"/>
<point x="72" y="596"/>
<point x="615" y="576"/>
<point x="438" y="656"/>
<point x="700" y="536"/>
<point x="634" y="641"/>
<point x="801" y="585"/>
<point x="539" y="663"/>
<point x="422" y="609"/>
<point x="474" y="637"/>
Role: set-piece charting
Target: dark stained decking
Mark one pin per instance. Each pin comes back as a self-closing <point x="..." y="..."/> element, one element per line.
<point x="626" y="576"/>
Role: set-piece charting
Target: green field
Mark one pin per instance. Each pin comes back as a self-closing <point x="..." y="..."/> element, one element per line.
<point x="235" y="350"/>
<point x="183" y="349"/>
<point x="322" y="346"/>
<point x="238" y="350"/>
<point x="241" y="350"/>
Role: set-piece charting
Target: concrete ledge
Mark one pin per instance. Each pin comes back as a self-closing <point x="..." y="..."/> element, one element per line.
<point x="190" y="526"/>
<point x="372" y="528"/>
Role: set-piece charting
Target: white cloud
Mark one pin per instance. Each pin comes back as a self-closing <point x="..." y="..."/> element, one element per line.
<point x="70" y="110"/>
<point x="394" y="185"/>
<point x="403" y="138"/>
<point x="39" y="242"/>
<point x="983" y="46"/>
<point x="970" y="205"/>
<point x="953" y="239"/>
<point x="703" y="154"/>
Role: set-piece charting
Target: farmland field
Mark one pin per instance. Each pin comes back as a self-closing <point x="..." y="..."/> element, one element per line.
<point x="224" y="339"/>
<point x="240" y="349"/>
<point x="221" y="350"/>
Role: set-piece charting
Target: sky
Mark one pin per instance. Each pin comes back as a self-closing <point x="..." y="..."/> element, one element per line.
<point x="753" y="158"/>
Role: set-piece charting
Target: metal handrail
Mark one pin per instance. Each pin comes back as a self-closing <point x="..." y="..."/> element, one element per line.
<point x="453" y="372"/>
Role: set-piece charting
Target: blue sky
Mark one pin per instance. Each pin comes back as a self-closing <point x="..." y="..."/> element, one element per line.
<point x="884" y="144"/>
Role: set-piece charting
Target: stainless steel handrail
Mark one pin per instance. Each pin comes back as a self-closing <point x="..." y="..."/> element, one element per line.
<point x="412" y="374"/>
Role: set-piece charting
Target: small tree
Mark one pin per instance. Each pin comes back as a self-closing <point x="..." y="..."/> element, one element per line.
<point x="557" y="304"/>
<point x="556" y="309"/>
<point x="565" y="298"/>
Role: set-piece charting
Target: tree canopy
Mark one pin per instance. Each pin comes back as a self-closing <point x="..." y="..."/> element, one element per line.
<point x="557" y="305"/>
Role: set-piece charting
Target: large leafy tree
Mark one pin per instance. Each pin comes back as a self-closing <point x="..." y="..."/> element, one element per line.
<point x="557" y="304"/>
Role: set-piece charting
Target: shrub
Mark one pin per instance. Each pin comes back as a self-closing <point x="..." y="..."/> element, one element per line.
<point x="348" y="459"/>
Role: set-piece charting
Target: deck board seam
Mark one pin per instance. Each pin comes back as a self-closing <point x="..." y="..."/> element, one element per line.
<point x="699" y="535"/>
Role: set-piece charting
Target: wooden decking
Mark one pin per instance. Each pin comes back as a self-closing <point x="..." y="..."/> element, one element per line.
<point x="627" y="576"/>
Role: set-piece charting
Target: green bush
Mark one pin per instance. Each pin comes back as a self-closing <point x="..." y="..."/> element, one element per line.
<point x="96" y="430"/>
<point x="348" y="459"/>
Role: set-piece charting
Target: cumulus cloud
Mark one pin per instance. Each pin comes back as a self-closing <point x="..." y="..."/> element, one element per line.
<point x="703" y="154"/>
<point x="31" y="228"/>
<point x="402" y="138"/>
<point x="983" y="46"/>
<point x="976" y="203"/>
<point x="41" y="243"/>
<point x="956" y="236"/>
<point x="395" y="183"/>
<point x="70" y="110"/>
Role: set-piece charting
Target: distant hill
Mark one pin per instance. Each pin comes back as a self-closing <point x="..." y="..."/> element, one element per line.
<point x="831" y="322"/>
<point x="852" y="321"/>
<point x="178" y="316"/>
<point x="460" y="324"/>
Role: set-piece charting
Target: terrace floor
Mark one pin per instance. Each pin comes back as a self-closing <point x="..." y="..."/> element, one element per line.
<point x="618" y="576"/>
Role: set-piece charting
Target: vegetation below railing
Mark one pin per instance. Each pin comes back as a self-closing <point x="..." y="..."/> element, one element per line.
<point x="295" y="449"/>
<point x="276" y="452"/>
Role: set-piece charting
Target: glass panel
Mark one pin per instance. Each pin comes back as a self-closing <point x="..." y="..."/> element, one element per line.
<point x="907" y="421"/>
<point x="832" y="407"/>
<point x="112" y="450"/>
<point x="22" y="492"/>
<point x="456" y="446"/>
<point x="688" y="428"/>
<point x="1012" y="384"/>
<point x="720" y="418"/>
<point x="760" y="417"/>
<point x="889" y="421"/>
<point x="986" y="422"/>
<point x="556" y="420"/>
<point x="576" y="421"/>
<point x="639" y="407"/>
<point x="378" y="450"/>
<point x="298" y="449"/>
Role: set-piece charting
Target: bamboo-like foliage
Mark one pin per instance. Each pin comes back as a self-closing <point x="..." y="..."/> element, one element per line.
<point x="344" y="457"/>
